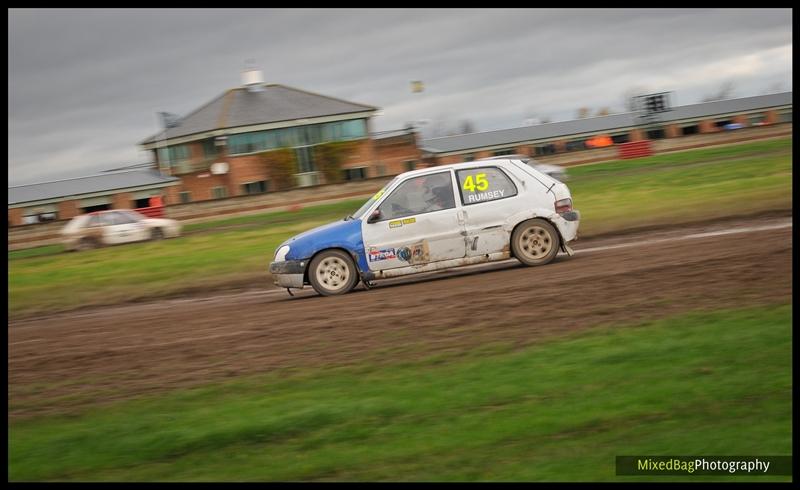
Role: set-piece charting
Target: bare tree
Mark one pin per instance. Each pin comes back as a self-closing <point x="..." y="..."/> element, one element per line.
<point x="603" y="111"/>
<point x="583" y="113"/>
<point x="725" y="91"/>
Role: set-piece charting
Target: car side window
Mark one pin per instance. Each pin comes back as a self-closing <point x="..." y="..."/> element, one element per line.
<point x="418" y="195"/>
<point x="121" y="218"/>
<point x="484" y="184"/>
<point x="106" y="219"/>
<point x="94" y="220"/>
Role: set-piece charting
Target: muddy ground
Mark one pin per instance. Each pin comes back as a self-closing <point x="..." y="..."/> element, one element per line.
<point x="66" y="362"/>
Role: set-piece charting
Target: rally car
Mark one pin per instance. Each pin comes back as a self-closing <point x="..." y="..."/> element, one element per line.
<point x="432" y="219"/>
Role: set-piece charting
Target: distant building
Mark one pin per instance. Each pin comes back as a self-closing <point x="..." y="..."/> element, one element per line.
<point x="222" y="149"/>
<point x="67" y="198"/>
<point x="569" y="136"/>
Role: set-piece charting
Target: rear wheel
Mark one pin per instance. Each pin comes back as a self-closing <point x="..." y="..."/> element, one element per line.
<point x="157" y="234"/>
<point x="88" y="243"/>
<point x="535" y="242"/>
<point x="332" y="272"/>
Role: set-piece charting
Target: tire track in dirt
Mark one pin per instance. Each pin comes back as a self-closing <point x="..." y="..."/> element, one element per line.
<point x="120" y="352"/>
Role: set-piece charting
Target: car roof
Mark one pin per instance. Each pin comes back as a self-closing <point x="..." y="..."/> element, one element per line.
<point x="454" y="166"/>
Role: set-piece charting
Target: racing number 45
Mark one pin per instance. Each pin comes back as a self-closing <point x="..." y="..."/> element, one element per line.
<point x="480" y="183"/>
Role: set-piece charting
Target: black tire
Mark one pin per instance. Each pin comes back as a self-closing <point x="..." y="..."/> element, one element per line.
<point x="535" y="242"/>
<point x="88" y="243"/>
<point x="332" y="272"/>
<point x="157" y="234"/>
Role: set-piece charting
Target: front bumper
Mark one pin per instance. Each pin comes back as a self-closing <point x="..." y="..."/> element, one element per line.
<point x="288" y="273"/>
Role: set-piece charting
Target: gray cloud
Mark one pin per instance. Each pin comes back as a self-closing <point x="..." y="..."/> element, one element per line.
<point x="85" y="85"/>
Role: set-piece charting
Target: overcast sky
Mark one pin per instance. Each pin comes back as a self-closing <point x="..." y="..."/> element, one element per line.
<point x="84" y="86"/>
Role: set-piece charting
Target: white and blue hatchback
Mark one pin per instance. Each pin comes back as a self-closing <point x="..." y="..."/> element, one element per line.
<point x="431" y="219"/>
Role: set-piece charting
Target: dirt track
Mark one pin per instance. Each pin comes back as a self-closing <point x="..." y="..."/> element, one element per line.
<point x="117" y="352"/>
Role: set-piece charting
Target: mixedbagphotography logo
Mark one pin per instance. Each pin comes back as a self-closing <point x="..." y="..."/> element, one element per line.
<point x="703" y="465"/>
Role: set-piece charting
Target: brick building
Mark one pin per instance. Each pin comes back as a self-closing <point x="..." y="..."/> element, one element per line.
<point x="227" y="147"/>
<point x="572" y="136"/>
<point x="67" y="198"/>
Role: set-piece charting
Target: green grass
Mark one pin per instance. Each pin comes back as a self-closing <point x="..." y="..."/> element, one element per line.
<point x="678" y="187"/>
<point x="705" y="383"/>
<point x="684" y="186"/>
<point x="35" y="251"/>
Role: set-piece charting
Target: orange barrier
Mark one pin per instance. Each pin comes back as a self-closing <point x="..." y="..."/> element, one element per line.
<point x="635" y="149"/>
<point x="152" y="211"/>
<point x="600" y="141"/>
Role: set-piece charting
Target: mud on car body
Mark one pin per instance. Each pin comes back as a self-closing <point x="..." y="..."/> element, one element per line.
<point x="431" y="219"/>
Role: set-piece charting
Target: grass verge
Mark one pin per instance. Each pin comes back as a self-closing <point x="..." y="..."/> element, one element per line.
<point x="703" y="383"/>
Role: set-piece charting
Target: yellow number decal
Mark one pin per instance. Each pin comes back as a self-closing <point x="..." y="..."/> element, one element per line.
<point x="378" y="195"/>
<point x="469" y="185"/>
<point x="479" y="183"/>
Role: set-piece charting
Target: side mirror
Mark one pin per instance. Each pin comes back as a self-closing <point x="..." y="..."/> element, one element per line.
<point x="375" y="216"/>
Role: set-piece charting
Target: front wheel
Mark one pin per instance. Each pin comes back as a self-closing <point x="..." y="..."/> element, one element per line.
<point x="535" y="242"/>
<point x="332" y="272"/>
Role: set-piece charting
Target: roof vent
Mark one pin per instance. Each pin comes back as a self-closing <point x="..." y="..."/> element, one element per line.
<point x="253" y="78"/>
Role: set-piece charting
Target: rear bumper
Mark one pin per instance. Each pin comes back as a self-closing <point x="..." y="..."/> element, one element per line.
<point x="567" y="224"/>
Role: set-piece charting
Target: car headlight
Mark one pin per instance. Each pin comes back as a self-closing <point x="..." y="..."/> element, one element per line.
<point x="280" y="255"/>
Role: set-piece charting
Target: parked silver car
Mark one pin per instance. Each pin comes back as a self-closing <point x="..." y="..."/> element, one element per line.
<point x="114" y="227"/>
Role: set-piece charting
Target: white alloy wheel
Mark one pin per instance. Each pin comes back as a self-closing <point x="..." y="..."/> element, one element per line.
<point x="332" y="272"/>
<point x="535" y="242"/>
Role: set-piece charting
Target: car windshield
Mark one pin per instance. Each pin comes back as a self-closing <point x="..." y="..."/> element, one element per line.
<point x="363" y="209"/>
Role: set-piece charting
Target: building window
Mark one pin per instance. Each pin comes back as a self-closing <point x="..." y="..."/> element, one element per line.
<point x="547" y="149"/>
<point x="305" y="159"/>
<point x="507" y="151"/>
<point x="311" y="134"/>
<point x="756" y="119"/>
<point x="141" y="203"/>
<point x="185" y="196"/>
<point x="575" y="145"/>
<point x="469" y="157"/>
<point x="692" y="129"/>
<point x="410" y="165"/>
<point x="722" y="123"/>
<point x="219" y="192"/>
<point x="255" y="187"/>
<point x="40" y="214"/>
<point x="359" y="173"/>
<point x="209" y="148"/>
<point x="785" y="117"/>
<point x="174" y="155"/>
<point x="656" y="134"/>
<point x="620" y="138"/>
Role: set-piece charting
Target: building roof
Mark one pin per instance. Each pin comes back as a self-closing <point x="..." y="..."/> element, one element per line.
<point x="92" y="184"/>
<point x="392" y="133"/>
<point x="274" y="103"/>
<point x="599" y="124"/>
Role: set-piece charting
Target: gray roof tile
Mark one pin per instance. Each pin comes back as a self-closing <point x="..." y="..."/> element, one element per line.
<point x="86" y="185"/>
<point x="512" y="136"/>
<point x="275" y="103"/>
